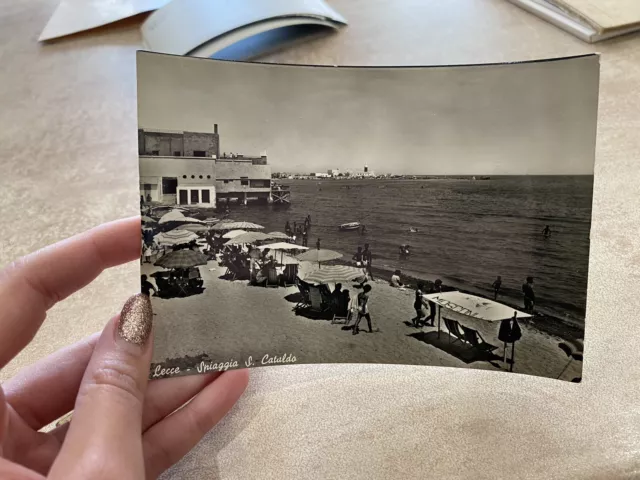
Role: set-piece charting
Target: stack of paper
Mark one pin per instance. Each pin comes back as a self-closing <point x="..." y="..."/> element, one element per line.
<point x="589" y="20"/>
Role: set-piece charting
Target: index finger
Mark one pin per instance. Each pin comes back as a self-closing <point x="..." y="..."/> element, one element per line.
<point x="33" y="284"/>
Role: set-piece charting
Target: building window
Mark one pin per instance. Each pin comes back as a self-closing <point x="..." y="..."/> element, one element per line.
<point x="155" y="152"/>
<point x="208" y="176"/>
<point x="184" y="176"/>
<point x="199" y="153"/>
<point x="193" y="176"/>
<point x="195" y="196"/>
<point x="226" y="181"/>
<point x="244" y="180"/>
<point x="200" y="177"/>
<point x="177" y="154"/>
<point x="260" y="183"/>
<point x="169" y="185"/>
<point x="206" y="197"/>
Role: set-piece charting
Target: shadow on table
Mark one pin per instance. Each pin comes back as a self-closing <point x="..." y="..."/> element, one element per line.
<point x="461" y="351"/>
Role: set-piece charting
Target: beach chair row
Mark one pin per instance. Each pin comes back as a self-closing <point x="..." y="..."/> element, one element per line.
<point x="467" y="336"/>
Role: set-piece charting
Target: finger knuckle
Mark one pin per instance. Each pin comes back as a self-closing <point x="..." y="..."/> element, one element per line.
<point x="115" y="378"/>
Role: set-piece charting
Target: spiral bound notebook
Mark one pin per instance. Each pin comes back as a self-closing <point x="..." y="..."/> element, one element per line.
<point x="590" y="20"/>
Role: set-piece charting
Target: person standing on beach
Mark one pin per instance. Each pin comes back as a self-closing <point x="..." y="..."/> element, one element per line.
<point x="417" y="305"/>
<point x="305" y="237"/>
<point x="366" y="260"/>
<point x="529" y="295"/>
<point x="357" y="257"/>
<point x="287" y="228"/>
<point x="496" y="287"/>
<point x="431" y="319"/>
<point x="363" y="309"/>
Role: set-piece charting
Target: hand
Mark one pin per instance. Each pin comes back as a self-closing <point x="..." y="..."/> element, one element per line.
<point x="121" y="427"/>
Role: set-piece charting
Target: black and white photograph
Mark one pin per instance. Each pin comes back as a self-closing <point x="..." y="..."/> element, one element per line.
<point x="435" y="216"/>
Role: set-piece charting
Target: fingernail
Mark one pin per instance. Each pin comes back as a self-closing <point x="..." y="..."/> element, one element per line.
<point x="135" y="320"/>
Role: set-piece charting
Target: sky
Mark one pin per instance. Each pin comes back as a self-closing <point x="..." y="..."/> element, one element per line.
<point x="515" y="119"/>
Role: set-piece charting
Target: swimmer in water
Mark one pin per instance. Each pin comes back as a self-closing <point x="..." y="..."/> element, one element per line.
<point x="546" y="232"/>
<point x="413" y="230"/>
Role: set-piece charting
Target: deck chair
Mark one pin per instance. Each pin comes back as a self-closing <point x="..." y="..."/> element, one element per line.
<point x="341" y="312"/>
<point x="454" y="330"/>
<point x="476" y="341"/>
<point x="290" y="273"/>
<point x="305" y="302"/>
<point x="317" y="302"/>
<point x="272" y="279"/>
<point x="231" y="272"/>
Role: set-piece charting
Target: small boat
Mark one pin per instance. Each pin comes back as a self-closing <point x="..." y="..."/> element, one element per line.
<point x="350" y="226"/>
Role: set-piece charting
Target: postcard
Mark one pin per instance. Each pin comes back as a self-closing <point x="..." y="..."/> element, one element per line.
<point x="399" y="215"/>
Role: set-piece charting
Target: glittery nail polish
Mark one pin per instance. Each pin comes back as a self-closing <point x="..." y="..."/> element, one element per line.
<point x="136" y="320"/>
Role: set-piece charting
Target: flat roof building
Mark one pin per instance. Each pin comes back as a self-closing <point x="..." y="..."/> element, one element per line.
<point x="186" y="168"/>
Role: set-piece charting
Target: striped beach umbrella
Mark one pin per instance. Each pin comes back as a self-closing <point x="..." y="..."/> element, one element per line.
<point x="334" y="274"/>
<point x="278" y="236"/>
<point x="286" y="247"/>
<point x="175" y="237"/>
<point x="176" y="215"/>
<point x="182" y="259"/>
<point x="233" y="233"/>
<point x="248" y="238"/>
<point x="194" y="227"/>
<point x="226" y="225"/>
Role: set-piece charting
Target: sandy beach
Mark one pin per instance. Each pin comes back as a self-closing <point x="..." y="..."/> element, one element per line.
<point x="232" y="321"/>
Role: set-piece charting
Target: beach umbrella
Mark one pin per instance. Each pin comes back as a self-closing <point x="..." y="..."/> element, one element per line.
<point x="223" y="226"/>
<point x="248" y="238"/>
<point x="182" y="259"/>
<point x="176" y="215"/>
<point x="211" y="221"/>
<point x="475" y="307"/>
<point x="175" y="237"/>
<point x="194" y="227"/>
<point x="289" y="260"/>
<point x="287" y="247"/>
<point x="233" y="233"/>
<point x="278" y="236"/>
<point x="283" y="247"/>
<point x="227" y="225"/>
<point x="319" y="255"/>
<point x="334" y="274"/>
<point x="147" y="219"/>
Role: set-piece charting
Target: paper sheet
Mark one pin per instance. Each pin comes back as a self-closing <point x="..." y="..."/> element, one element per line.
<point x="73" y="16"/>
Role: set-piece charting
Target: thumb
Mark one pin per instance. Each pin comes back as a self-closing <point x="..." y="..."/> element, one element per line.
<point x="105" y="436"/>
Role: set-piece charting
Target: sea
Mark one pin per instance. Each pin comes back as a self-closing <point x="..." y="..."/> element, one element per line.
<point x="469" y="230"/>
